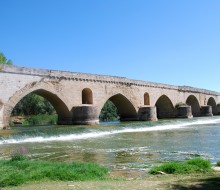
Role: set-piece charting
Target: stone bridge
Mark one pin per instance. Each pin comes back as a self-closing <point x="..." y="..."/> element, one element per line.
<point x="78" y="98"/>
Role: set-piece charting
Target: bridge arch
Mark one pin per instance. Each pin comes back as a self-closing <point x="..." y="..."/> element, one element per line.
<point x="212" y="102"/>
<point x="125" y="107"/>
<point x="165" y="108"/>
<point x="64" y="115"/>
<point x="87" y="96"/>
<point x="194" y="103"/>
<point x="146" y="98"/>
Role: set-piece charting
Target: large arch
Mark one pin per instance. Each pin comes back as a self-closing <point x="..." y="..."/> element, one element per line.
<point x="125" y="108"/>
<point x="64" y="115"/>
<point x="194" y="103"/>
<point x="87" y="96"/>
<point x="212" y="102"/>
<point x="165" y="108"/>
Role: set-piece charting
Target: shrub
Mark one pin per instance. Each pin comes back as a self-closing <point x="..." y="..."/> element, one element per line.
<point x="180" y="104"/>
<point x="201" y="164"/>
<point x="191" y="166"/>
<point x="41" y="120"/>
<point x="218" y="163"/>
<point x="20" y="154"/>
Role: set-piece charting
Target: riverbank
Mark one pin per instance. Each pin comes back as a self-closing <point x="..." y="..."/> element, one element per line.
<point x="148" y="182"/>
<point x="31" y="175"/>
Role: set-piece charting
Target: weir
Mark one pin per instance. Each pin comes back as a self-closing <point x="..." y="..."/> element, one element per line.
<point x="78" y="97"/>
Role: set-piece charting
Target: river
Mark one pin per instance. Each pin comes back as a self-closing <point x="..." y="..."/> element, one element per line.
<point x="119" y="146"/>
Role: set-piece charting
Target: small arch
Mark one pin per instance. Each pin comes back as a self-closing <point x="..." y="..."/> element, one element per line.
<point x="165" y="108"/>
<point x="125" y="108"/>
<point x="194" y="103"/>
<point x="146" y="99"/>
<point x="212" y="102"/>
<point x="87" y="96"/>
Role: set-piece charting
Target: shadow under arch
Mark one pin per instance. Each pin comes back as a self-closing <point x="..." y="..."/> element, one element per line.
<point x="212" y="102"/>
<point x="64" y="115"/>
<point x="125" y="108"/>
<point x="165" y="108"/>
<point x="194" y="103"/>
<point x="146" y="98"/>
<point x="87" y="96"/>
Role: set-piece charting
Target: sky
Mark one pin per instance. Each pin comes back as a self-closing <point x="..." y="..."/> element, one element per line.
<point x="174" y="42"/>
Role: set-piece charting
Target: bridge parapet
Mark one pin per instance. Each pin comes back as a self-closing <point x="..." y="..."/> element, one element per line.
<point x="197" y="90"/>
<point x="76" y="76"/>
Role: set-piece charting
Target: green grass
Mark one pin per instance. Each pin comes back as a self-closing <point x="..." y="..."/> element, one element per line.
<point x="17" y="172"/>
<point x="218" y="163"/>
<point x="43" y="119"/>
<point x="196" y="165"/>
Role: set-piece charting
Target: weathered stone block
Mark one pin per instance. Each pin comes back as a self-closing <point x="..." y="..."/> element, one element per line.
<point x="85" y="115"/>
<point x="184" y="112"/>
<point x="206" y="111"/>
<point x="147" y="113"/>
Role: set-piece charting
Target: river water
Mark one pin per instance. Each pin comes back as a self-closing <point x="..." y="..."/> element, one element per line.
<point x="119" y="146"/>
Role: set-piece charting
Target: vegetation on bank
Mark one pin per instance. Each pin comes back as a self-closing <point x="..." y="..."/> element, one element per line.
<point x="20" y="170"/>
<point x="33" y="104"/>
<point x="180" y="104"/>
<point x="196" y="165"/>
<point x="109" y="112"/>
<point x="41" y="120"/>
<point x="218" y="163"/>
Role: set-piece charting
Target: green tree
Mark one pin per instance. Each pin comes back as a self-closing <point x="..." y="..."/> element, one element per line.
<point x="109" y="112"/>
<point x="3" y="60"/>
<point x="32" y="104"/>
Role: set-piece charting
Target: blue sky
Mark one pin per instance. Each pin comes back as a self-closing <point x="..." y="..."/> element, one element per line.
<point x="167" y="41"/>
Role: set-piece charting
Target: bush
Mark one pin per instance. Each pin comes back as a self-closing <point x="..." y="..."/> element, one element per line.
<point x="180" y="104"/>
<point x="218" y="163"/>
<point x="19" y="157"/>
<point x="191" y="166"/>
<point x="19" y="172"/>
<point x="20" y="154"/>
<point x="41" y="120"/>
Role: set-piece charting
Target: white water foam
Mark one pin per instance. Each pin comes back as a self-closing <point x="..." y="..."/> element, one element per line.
<point x="97" y="134"/>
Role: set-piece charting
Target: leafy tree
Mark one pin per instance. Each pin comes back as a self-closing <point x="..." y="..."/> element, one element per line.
<point x="3" y="60"/>
<point x="33" y="104"/>
<point x="109" y="112"/>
